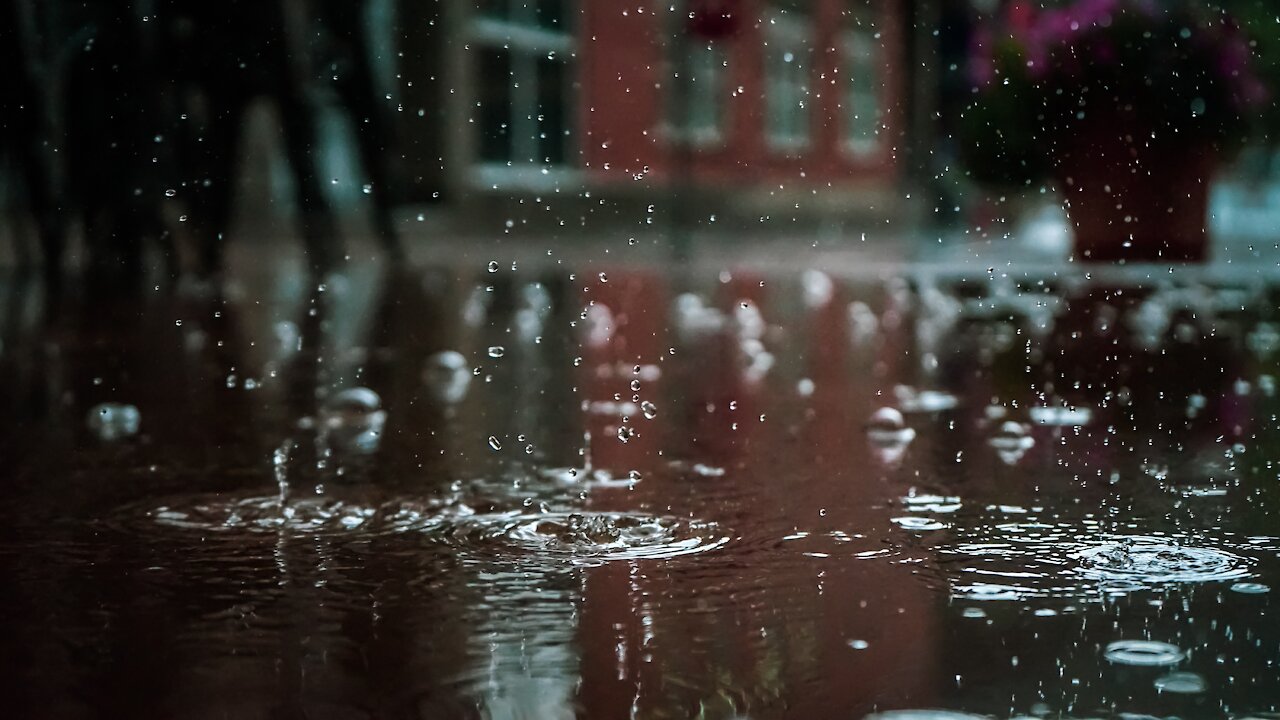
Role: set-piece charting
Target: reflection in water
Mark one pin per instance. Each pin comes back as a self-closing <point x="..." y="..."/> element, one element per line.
<point x="664" y="496"/>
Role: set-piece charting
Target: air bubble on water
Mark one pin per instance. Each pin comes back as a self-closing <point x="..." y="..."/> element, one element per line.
<point x="1249" y="588"/>
<point x="1183" y="683"/>
<point x="923" y="715"/>
<point x="112" y="421"/>
<point x="912" y="400"/>
<point x="1060" y="415"/>
<point x="1144" y="653"/>
<point x="923" y="524"/>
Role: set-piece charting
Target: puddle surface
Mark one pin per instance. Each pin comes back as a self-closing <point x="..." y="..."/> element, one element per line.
<point x="541" y="493"/>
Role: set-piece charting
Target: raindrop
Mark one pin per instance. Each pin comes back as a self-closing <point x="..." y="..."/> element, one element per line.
<point x="493" y="266"/>
<point x="446" y="377"/>
<point x="859" y="644"/>
<point x="353" y="419"/>
<point x="887" y="426"/>
<point x="649" y="409"/>
<point x="493" y="443"/>
<point x="497" y="351"/>
<point x="114" y="421"/>
<point x="1011" y="441"/>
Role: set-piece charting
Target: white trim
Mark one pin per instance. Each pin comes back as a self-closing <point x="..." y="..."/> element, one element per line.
<point x="498" y="177"/>
<point x="518" y="36"/>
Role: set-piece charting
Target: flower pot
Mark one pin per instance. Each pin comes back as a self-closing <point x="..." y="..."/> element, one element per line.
<point x="1132" y="197"/>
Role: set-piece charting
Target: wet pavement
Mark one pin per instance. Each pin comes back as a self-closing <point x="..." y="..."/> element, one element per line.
<point x="630" y="490"/>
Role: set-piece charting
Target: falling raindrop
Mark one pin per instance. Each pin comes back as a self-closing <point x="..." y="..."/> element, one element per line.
<point x="114" y="421"/>
<point x="649" y="409"/>
<point x="353" y="419"/>
<point x="446" y="377"/>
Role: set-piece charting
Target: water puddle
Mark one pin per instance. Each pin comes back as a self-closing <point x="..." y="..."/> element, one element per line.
<point x="350" y="517"/>
<point x="581" y="538"/>
<point x="1016" y="561"/>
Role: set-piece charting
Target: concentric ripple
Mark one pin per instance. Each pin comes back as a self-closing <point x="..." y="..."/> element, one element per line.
<point x="1153" y="560"/>
<point x="1014" y="561"/>
<point x="230" y="514"/>
<point x="582" y="538"/>
<point x="1143" y="653"/>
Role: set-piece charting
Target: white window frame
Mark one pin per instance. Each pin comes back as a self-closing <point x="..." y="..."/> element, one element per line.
<point x="526" y="42"/>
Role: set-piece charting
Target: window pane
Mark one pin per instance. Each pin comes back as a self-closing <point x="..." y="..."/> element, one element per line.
<point x="553" y="15"/>
<point x="497" y="9"/>
<point x="862" y="96"/>
<point x="495" y="85"/>
<point x="553" y="123"/>
<point x="787" y="78"/>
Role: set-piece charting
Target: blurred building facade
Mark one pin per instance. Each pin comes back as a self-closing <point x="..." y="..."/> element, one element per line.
<point x="556" y="113"/>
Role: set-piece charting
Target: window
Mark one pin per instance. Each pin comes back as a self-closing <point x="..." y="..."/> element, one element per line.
<point x="524" y="79"/>
<point x="862" y="58"/>
<point x="788" y="53"/>
<point x="696" y="108"/>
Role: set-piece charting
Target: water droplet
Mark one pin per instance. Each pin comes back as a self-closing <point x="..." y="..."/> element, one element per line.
<point x="170" y="192"/>
<point x="446" y="377"/>
<point x="111" y="421"/>
<point x="493" y="443"/>
<point x="497" y="351"/>
<point x="353" y="420"/>
<point x="493" y="266"/>
<point x="859" y="644"/>
<point x="649" y="409"/>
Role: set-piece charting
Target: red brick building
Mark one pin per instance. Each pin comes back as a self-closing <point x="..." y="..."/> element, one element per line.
<point x="752" y="107"/>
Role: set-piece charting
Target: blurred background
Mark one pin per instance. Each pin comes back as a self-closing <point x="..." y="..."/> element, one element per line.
<point x="153" y="135"/>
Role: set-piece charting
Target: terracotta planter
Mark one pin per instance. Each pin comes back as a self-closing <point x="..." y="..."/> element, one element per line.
<point x="1133" y="198"/>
